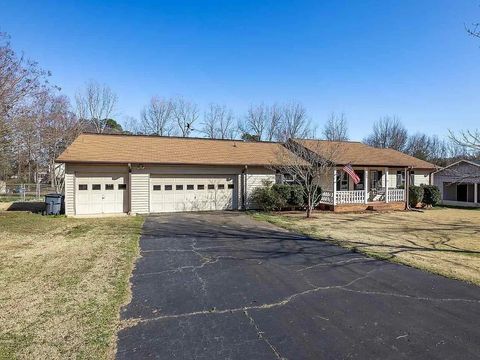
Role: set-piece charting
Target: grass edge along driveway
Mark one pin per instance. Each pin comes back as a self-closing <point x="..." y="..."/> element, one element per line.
<point x="63" y="281"/>
<point x="444" y="241"/>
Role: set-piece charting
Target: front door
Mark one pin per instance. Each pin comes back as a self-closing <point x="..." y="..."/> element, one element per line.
<point x="375" y="179"/>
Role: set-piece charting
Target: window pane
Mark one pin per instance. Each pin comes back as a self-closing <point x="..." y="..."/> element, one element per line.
<point x="157" y="187"/>
<point x="168" y="187"/>
<point x="178" y="187"/>
<point x="211" y="186"/>
<point x="96" y="187"/>
<point x="122" y="186"/>
<point x="190" y="187"/>
<point x="108" y="186"/>
<point x="230" y="186"/>
<point x="82" y="187"/>
<point x="200" y="187"/>
<point x="221" y="186"/>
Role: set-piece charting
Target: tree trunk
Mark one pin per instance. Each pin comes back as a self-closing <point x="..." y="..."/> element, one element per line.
<point x="309" y="205"/>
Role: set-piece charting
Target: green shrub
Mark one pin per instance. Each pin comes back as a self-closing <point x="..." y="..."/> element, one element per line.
<point x="415" y="195"/>
<point x="292" y="194"/>
<point x="431" y="195"/>
<point x="267" y="199"/>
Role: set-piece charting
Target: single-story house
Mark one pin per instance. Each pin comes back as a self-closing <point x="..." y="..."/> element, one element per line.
<point x="106" y="174"/>
<point x="459" y="183"/>
<point x="384" y="175"/>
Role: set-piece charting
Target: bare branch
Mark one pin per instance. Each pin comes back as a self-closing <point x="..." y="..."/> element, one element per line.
<point x="157" y="117"/>
<point x="336" y="128"/>
<point x="307" y="167"/>
<point x="388" y="132"/>
<point x="185" y="114"/>
<point x="218" y="122"/>
<point x="95" y="105"/>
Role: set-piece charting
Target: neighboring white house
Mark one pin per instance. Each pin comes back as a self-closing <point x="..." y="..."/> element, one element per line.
<point x="109" y="174"/>
<point x="459" y="183"/>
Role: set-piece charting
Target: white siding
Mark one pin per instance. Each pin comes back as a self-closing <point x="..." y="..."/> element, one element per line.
<point x="139" y="193"/>
<point x="392" y="178"/>
<point x="255" y="181"/>
<point x="326" y="181"/>
<point x="69" y="192"/>
<point x="421" y="177"/>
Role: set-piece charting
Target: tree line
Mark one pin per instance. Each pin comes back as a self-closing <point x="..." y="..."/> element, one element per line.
<point x="37" y="122"/>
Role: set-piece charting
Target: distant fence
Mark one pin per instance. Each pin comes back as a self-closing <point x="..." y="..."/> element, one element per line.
<point x="24" y="192"/>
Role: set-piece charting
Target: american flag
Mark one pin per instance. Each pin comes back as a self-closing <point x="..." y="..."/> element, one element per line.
<point x="349" y="170"/>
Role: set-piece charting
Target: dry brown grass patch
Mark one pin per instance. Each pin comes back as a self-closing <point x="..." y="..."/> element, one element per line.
<point x="62" y="282"/>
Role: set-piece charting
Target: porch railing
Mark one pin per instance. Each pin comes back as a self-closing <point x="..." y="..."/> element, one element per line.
<point x="358" y="196"/>
<point x="351" y="197"/>
<point x="396" y="195"/>
<point x="327" y="197"/>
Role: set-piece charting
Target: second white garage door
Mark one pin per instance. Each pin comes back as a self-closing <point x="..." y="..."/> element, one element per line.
<point x="191" y="193"/>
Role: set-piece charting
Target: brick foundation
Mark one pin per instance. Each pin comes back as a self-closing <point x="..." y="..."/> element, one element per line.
<point x="378" y="206"/>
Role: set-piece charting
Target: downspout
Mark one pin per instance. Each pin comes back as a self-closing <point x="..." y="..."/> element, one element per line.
<point x="244" y="188"/>
<point x="407" y="192"/>
<point x="129" y="189"/>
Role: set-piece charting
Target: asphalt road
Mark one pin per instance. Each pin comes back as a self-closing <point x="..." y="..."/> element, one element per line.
<point x="223" y="286"/>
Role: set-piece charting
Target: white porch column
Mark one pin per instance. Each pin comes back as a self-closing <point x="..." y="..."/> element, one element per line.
<point x="335" y="186"/>
<point x="365" y="183"/>
<point x="405" y="184"/>
<point x="475" y="193"/>
<point x="386" y="184"/>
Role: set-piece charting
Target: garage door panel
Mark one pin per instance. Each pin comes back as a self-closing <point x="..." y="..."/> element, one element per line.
<point x="190" y="192"/>
<point x="101" y="194"/>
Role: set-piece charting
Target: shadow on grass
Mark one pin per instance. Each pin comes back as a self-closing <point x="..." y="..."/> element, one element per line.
<point x="36" y="207"/>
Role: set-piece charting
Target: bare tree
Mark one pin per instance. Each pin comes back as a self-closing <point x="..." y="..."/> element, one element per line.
<point x="20" y="79"/>
<point x="469" y="140"/>
<point x="295" y="123"/>
<point x="388" y="132"/>
<point x="307" y="167"/>
<point x="59" y="127"/>
<point x="95" y="105"/>
<point x="131" y="125"/>
<point x="157" y="117"/>
<point x="218" y="122"/>
<point x="336" y="128"/>
<point x="274" y="120"/>
<point x="185" y="114"/>
<point x="255" y="121"/>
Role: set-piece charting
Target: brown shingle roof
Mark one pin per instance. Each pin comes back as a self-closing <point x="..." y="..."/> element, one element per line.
<point x="97" y="148"/>
<point x="359" y="154"/>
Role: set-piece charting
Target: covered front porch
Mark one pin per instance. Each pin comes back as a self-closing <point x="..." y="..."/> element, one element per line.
<point x="377" y="186"/>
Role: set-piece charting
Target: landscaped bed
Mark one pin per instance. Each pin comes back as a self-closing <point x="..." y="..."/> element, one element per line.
<point x="441" y="240"/>
<point x="62" y="282"/>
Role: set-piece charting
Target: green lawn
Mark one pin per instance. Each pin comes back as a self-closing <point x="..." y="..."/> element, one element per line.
<point x="62" y="282"/>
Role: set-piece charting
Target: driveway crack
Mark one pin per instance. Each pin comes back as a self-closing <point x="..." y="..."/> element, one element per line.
<point x="261" y="336"/>
<point x="294" y="296"/>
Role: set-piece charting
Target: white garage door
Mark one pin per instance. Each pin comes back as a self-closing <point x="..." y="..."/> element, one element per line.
<point x="191" y="193"/>
<point x="101" y="194"/>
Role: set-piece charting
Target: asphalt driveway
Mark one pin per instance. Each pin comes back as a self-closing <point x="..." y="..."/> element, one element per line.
<point x="223" y="286"/>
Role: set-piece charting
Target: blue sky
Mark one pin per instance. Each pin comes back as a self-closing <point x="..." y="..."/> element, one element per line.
<point x="410" y="58"/>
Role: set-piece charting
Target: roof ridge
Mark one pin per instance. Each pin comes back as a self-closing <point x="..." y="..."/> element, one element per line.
<point x="154" y="136"/>
<point x="324" y="140"/>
